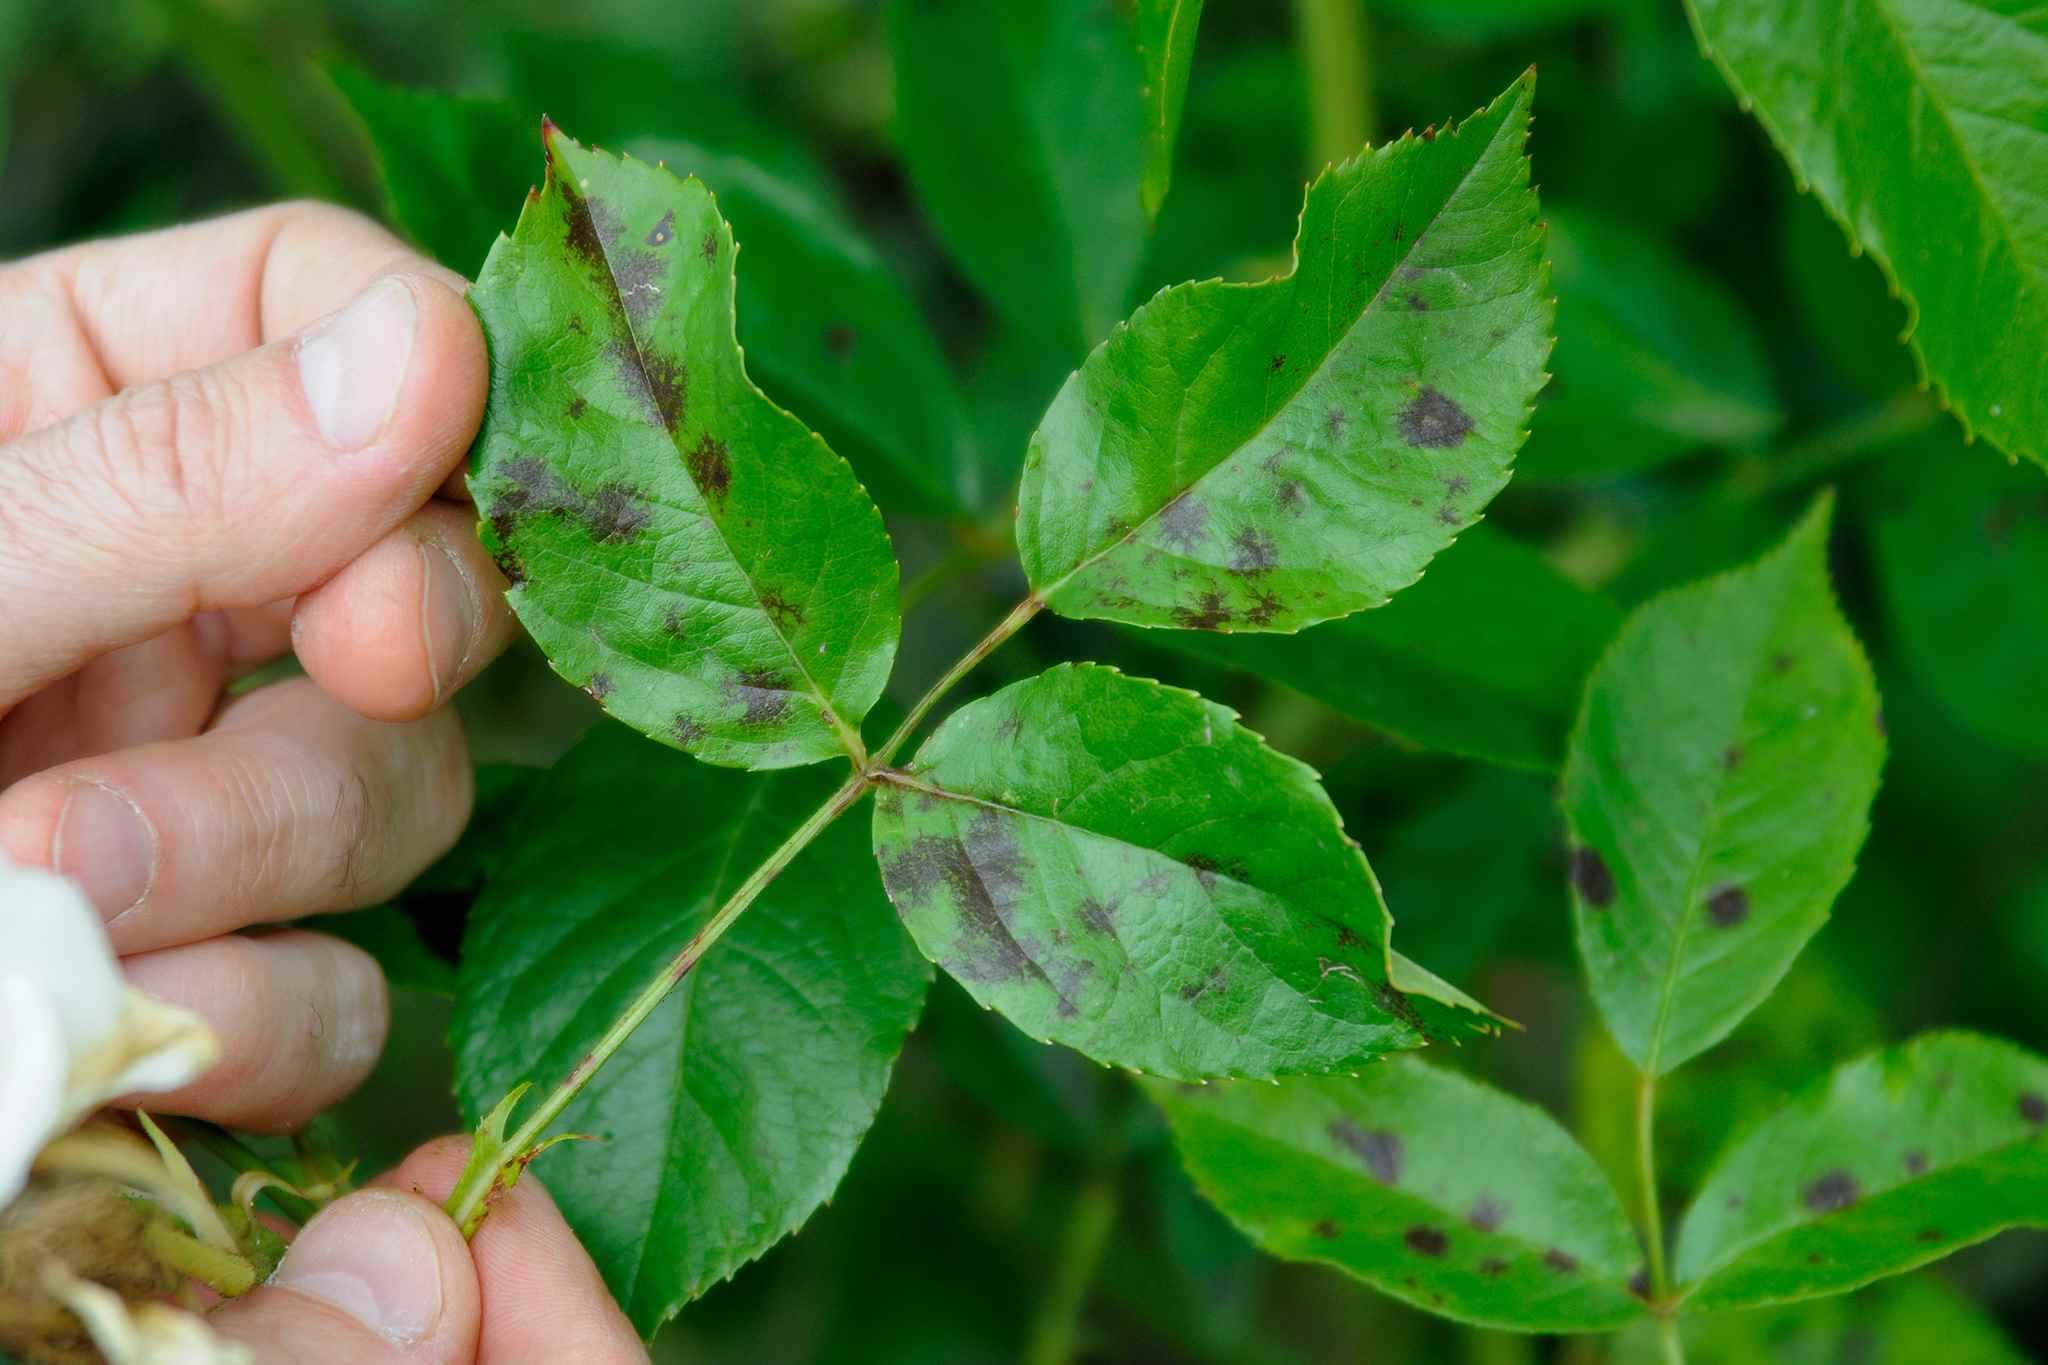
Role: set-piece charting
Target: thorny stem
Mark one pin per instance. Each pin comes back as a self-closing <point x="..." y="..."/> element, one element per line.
<point x="1653" y="1218"/>
<point x="1005" y="628"/>
<point x="1087" y="1234"/>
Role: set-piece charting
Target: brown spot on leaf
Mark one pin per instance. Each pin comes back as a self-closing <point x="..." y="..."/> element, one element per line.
<point x="1211" y="612"/>
<point x="1379" y="1149"/>
<point x="1728" y="906"/>
<point x="685" y="730"/>
<point x="1831" y="1191"/>
<point x="1590" y="875"/>
<point x="599" y="687"/>
<point x="1253" y="552"/>
<point x="1916" y="1162"/>
<point x="1447" y="515"/>
<point x="1265" y="610"/>
<point x="1560" y="1260"/>
<point x="783" y="612"/>
<point x="839" y="339"/>
<point x="1930" y="1235"/>
<point x="1183" y="521"/>
<point x="708" y="248"/>
<point x="664" y="231"/>
<point x="1278" y="363"/>
<point x="1433" y="421"/>
<point x="1487" y="1214"/>
<point x="1424" y="1240"/>
<point x="984" y="872"/>
<point x="616" y="514"/>
<point x="710" y="466"/>
<point x="764" y="693"/>
<point x="577" y="406"/>
<point x="2033" y="1108"/>
<point x="1327" y="1229"/>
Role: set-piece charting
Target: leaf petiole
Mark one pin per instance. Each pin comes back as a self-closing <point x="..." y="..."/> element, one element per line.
<point x="1008" y="626"/>
<point x="1653" y="1219"/>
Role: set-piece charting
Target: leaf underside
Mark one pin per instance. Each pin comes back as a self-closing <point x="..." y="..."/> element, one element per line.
<point x="731" y="1113"/>
<point x="1121" y="867"/>
<point x="1717" y="791"/>
<point x="1922" y="125"/>
<point x="1897" y="1159"/>
<point x="679" y="546"/>
<point x="1436" y="1189"/>
<point x="1263" y="457"/>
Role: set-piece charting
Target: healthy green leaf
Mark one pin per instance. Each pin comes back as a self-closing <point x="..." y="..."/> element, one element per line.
<point x="1655" y="358"/>
<point x="1897" y="1159"/>
<point x="1485" y="657"/>
<point x="678" y="545"/>
<point x="1121" y="867"/>
<point x="1718" y="787"/>
<point x="1263" y="457"/>
<point x="1962" y="551"/>
<point x="731" y="1114"/>
<point x="1025" y="134"/>
<point x="1433" y="1188"/>
<point x="1166" y="48"/>
<point x="1922" y="125"/>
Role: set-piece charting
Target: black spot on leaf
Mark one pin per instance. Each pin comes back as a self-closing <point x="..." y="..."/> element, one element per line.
<point x="685" y="730"/>
<point x="1253" y="552"/>
<point x="2033" y="1108"/>
<point x="1417" y="303"/>
<point x="1731" y="759"/>
<point x="664" y="231"/>
<point x="599" y="687"/>
<point x="1210" y="612"/>
<point x="1590" y="875"/>
<point x="1487" y="1214"/>
<point x="1333" y="424"/>
<point x="984" y="873"/>
<point x="1379" y="1149"/>
<point x="1455" y="485"/>
<point x="1916" y="1162"/>
<point x="708" y="248"/>
<point x="1433" y="421"/>
<point x="1327" y="1229"/>
<point x="1728" y="906"/>
<point x="1183" y="521"/>
<point x="781" y="610"/>
<point x="763" y="692"/>
<point x="1639" y="1285"/>
<point x="1279" y="363"/>
<point x="1217" y="980"/>
<point x="839" y="339"/>
<point x="577" y="406"/>
<point x="1096" y="916"/>
<point x="1290" y="497"/>
<point x="637" y="275"/>
<point x="1265" y="610"/>
<point x="1930" y="1235"/>
<point x="710" y="466"/>
<point x="1831" y="1191"/>
<point x="1559" y="1260"/>
<point x="1424" y="1240"/>
<point x="510" y="566"/>
<point x="615" y="514"/>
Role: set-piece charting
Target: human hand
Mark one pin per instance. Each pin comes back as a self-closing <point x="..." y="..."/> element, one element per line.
<point x="383" y="1275"/>
<point x="203" y="465"/>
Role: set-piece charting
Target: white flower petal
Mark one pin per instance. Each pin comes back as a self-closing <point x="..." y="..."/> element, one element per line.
<point x="32" y="1066"/>
<point x="145" y="1334"/>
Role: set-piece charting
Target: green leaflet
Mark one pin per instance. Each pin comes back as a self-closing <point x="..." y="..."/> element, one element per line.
<point x="1655" y="358"/>
<point x="1263" y="457"/>
<point x="678" y="545"/>
<point x="869" y="373"/>
<point x="1922" y="125"/>
<point x="1905" y="1322"/>
<point x="732" y="1112"/>
<point x="1897" y="1159"/>
<point x="1718" y="787"/>
<point x="1485" y="657"/>
<point x="1025" y="133"/>
<point x="1436" y="1189"/>
<point x="1962" y="548"/>
<point x="1166" y="49"/>
<point x="1121" y="867"/>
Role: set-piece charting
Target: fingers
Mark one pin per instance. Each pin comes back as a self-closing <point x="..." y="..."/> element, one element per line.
<point x="543" y="1298"/>
<point x="254" y="479"/>
<point x="378" y="1277"/>
<point x="291" y="805"/>
<point x="398" y="631"/>
<point x="301" y="1019"/>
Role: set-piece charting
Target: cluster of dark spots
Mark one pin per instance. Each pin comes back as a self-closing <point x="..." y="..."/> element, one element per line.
<point x="1433" y="421"/>
<point x="1731" y="758"/>
<point x="577" y="406"/>
<point x="984" y="873"/>
<point x="1183" y="521"/>
<point x="1379" y="1149"/>
<point x="1447" y="515"/>
<point x="710" y="466"/>
<point x="1639" y="1285"/>
<point x="616" y="514"/>
<point x="508" y="563"/>
<point x="1916" y="1162"/>
<point x="1590" y="875"/>
<point x="1728" y="906"/>
<point x="1398" y="1005"/>
<point x="580" y="229"/>
<point x="1493" y="1267"/>
<point x="1277" y="364"/>
<point x="1424" y="1240"/>
<point x="664" y="231"/>
<point x="1487" y="1214"/>
<point x="839" y="339"/>
<point x="660" y="385"/>
<point x="1096" y="915"/>
<point x="2033" y="1108"/>
<point x="1217" y="980"/>
<point x="708" y="248"/>
<point x="1417" y="303"/>
<point x="1455" y="485"/>
<point x="613" y="515"/>
<point x="599" y="687"/>
<point x="1210" y="612"/>
<point x="1253" y="552"/>
<point x="685" y="730"/>
<point x="783" y="612"/>
<point x="1346" y="938"/>
<point x="1781" y="663"/>
<point x="1333" y="423"/>
<point x="1831" y="1191"/>
<point x="1560" y="1260"/>
<point x="1327" y="1229"/>
<point x="1931" y="1234"/>
<point x="763" y="692"/>
<point x="1265" y="610"/>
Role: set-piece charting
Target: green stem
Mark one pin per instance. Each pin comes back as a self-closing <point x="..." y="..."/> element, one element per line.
<point x="1854" y="438"/>
<point x="1058" y="1322"/>
<point x="229" y="1151"/>
<point x="224" y="1272"/>
<point x="1653" y="1219"/>
<point x="467" y="1200"/>
<point x="1005" y="628"/>
<point x="1332" y="37"/>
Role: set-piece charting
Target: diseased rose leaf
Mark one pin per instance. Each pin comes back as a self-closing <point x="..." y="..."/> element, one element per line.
<point x="1264" y="457"/>
<point x="1121" y="867"/>
<point x="1166" y="50"/>
<point x="1717" y="790"/>
<point x="730" y="1115"/>
<point x="1895" y="1160"/>
<point x="1922" y="126"/>
<point x="678" y="545"/>
<point x="1436" y="1189"/>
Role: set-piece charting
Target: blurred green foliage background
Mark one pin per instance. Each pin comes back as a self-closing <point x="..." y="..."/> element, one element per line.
<point x="1720" y="355"/>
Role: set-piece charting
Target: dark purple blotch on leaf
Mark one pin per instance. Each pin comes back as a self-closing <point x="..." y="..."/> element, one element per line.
<point x="1424" y="1240"/>
<point x="1728" y="906"/>
<point x="1591" y="876"/>
<point x="1831" y="1191"/>
<point x="1379" y="1149"/>
<point x="1433" y="421"/>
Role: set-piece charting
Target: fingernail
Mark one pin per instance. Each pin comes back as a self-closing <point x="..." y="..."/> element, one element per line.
<point x="448" y="616"/>
<point x="353" y="364"/>
<point x="372" y="1256"/>
<point x="106" y="844"/>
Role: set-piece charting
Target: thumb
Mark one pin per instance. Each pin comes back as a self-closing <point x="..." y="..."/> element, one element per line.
<point x="378" y="1278"/>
